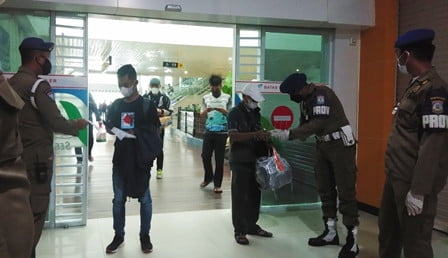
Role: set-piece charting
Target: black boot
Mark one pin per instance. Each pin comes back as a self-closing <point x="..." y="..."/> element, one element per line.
<point x="350" y="249"/>
<point x="328" y="237"/>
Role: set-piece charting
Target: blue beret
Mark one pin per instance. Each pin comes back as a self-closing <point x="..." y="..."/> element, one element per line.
<point x="293" y="83"/>
<point x="415" y="36"/>
<point x="36" y="44"/>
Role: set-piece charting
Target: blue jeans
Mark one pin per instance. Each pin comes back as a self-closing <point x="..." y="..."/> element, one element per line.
<point x="119" y="210"/>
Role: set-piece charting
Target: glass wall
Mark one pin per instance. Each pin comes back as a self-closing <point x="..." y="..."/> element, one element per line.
<point x="270" y="55"/>
<point x="14" y="27"/>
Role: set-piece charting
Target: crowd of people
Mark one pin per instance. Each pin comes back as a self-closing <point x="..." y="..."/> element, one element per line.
<point x="416" y="162"/>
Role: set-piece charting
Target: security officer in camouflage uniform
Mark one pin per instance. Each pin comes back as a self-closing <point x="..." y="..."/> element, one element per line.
<point x="39" y="119"/>
<point x="16" y="218"/>
<point x="322" y="115"/>
<point x="416" y="155"/>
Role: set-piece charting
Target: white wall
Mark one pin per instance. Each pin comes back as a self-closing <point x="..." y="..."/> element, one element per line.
<point x="346" y="62"/>
<point x="322" y="12"/>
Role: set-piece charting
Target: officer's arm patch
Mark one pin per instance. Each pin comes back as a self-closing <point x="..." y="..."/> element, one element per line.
<point x="435" y="111"/>
<point x="321" y="106"/>
<point x="50" y="94"/>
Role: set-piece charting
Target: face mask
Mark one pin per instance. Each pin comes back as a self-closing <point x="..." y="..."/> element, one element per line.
<point x="251" y="105"/>
<point x="402" y="68"/>
<point x="46" y="67"/>
<point x="296" y="98"/>
<point x="155" y="91"/>
<point x="127" y="92"/>
<point x="216" y="94"/>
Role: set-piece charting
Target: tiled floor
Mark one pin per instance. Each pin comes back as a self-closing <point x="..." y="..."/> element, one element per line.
<point x="208" y="234"/>
<point x="177" y="191"/>
<point x="189" y="222"/>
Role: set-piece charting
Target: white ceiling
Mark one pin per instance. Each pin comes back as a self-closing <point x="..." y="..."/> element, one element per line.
<point x="146" y="44"/>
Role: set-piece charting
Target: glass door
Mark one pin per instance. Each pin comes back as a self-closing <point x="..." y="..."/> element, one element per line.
<point x="268" y="55"/>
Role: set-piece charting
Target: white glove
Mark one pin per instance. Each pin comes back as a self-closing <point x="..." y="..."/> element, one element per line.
<point x="282" y="135"/>
<point x="414" y="203"/>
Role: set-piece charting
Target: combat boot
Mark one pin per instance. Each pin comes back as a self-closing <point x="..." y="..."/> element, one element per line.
<point x="328" y="237"/>
<point x="350" y="249"/>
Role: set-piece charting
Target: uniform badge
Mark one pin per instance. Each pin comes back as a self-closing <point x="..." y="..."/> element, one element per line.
<point x="50" y="94"/>
<point x="437" y="107"/>
<point x="320" y="100"/>
<point x="127" y="120"/>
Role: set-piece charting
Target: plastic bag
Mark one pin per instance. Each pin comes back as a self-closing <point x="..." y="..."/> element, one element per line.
<point x="101" y="134"/>
<point x="273" y="172"/>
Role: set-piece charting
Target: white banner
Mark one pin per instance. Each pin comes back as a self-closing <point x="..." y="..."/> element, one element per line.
<point x="265" y="87"/>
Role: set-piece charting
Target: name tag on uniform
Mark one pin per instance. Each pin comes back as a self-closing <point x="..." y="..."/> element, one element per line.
<point x="127" y="120"/>
<point x="321" y="110"/>
<point x="435" y="121"/>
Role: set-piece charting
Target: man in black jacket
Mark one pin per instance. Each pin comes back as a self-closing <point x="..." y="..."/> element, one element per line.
<point x="131" y="119"/>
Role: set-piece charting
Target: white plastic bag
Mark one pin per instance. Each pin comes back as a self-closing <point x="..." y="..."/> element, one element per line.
<point x="273" y="172"/>
<point x="101" y="134"/>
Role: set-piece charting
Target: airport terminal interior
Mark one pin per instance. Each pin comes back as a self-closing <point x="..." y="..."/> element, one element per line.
<point x="249" y="44"/>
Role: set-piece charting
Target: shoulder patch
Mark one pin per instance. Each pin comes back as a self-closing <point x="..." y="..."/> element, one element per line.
<point x="435" y="110"/>
<point x="321" y="105"/>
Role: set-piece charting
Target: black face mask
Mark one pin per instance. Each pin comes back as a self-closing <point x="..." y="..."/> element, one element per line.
<point x="216" y="94"/>
<point x="46" y="67"/>
<point x="296" y="98"/>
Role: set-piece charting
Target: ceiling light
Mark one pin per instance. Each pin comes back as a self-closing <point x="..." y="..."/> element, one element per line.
<point x="185" y="72"/>
<point x="297" y="70"/>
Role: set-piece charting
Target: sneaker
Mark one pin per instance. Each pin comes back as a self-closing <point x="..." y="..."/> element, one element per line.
<point x="146" y="244"/>
<point x="159" y="174"/>
<point x="116" y="243"/>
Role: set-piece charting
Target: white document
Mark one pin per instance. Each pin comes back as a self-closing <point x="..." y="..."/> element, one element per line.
<point x="94" y="125"/>
<point x="122" y="134"/>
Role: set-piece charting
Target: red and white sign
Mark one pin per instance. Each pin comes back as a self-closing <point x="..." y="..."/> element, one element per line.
<point x="282" y="117"/>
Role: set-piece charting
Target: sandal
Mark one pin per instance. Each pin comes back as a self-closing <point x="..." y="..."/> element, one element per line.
<point x="241" y="239"/>
<point x="218" y="190"/>
<point x="261" y="232"/>
<point x="204" y="184"/>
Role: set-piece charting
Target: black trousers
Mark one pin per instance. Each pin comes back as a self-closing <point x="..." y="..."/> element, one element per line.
<point x="213" y="142"/>
<point x="160" y="156"/>
<point x="246" y="197"/>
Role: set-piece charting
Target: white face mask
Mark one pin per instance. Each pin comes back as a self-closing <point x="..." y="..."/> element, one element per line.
<point x="155" y="91"/>
<point x="127" y="92"/>
<point x="402" y="67"/>
<point x="251" y="105"/>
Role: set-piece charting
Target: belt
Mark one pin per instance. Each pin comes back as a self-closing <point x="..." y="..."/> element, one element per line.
<point x="329" y="137"/>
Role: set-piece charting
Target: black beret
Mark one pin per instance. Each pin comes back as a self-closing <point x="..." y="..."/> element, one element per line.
<point x="293" y="83"/>
<point x="36" y="44"/>
<point x="415" y="37"/>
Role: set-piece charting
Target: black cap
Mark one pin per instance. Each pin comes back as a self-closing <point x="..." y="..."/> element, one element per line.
<point x="418" y="36"/>
<point x="293" y="83"/>
<point x="36" y="44"/>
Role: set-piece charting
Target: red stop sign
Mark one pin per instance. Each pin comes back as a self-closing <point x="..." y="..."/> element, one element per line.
<point x="282" y="117"/>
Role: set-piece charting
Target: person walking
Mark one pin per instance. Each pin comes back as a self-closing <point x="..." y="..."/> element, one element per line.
<point x="135" y="122"/>
<point x="163" y="103"/>
<point x="322" y="115"/>
<point x="214" y="108"/>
